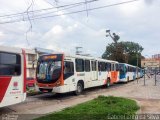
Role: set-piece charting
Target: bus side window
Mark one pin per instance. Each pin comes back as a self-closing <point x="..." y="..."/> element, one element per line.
<point x="99" y="66"/>
<point x="93" y="63"/>
<point x="117" y="67"/>
<point x="112" y="67"/>
<point x="87" y="66"/>
<point x="68" y="69"/>
<point x="79" y="65"/>
<point x="10" y="64"/>
<point x="108" y="66"/>
<point x="125" y="69"/>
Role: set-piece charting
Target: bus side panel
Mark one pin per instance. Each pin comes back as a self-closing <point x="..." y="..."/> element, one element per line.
<point x="130" y="76"/>
<point x="114" y="77"/>
<point x="117" y="75"/>
<point x="4" y="83"/>
<point x="13" y="87"/>
<point x="14" y="93"/>
<point x="102" y="77"/>
<point x="134" y="75"/>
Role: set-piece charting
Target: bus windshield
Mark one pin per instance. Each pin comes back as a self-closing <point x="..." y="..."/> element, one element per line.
<point x="49" y="70"/>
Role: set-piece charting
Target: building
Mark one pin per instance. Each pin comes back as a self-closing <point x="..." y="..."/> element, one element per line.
<point x="32" y="56"/>
<point x="156" y="56"/>
<point x="151" y="63"/>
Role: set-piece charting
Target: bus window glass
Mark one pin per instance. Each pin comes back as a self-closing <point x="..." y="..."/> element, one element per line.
<point x="68" y="69"/>
<point x="108" y="66"/>
<point x="104" y="66"/>
<point x="87" y="65"/>
<point x="117" y="67"/>
<point x="93" y="65"/>
<point x="79" y="65"/>
<point x="10" y="64"/>
<point x="49" y="70"/>
<point x="101" y="66"/>
<point x="112" y="67"/>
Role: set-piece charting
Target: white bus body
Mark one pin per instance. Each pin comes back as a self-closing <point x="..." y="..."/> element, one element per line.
<point x="87" y="71"/>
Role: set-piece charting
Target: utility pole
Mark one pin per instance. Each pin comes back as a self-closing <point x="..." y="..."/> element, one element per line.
<point x="137" y="59"/>
<point x="78" y="52"/>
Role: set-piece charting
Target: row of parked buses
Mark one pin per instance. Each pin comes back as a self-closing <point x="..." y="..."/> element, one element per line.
<point x="62" y="73"/>
<point x="58" y="73"/>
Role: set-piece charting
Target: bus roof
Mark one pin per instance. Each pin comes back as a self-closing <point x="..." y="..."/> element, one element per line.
<point x="82" y="57"/>
<point x="91" y="58"/>
<point x="10" y="49"/>
<point x="127" y="64"/>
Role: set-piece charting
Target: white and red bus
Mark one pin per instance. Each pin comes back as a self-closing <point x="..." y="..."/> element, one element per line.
<point x="61" y="73"/>
<point x="12" y="76"/>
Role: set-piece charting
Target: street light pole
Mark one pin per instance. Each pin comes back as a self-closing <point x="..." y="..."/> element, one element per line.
<point x="137" y="60"/>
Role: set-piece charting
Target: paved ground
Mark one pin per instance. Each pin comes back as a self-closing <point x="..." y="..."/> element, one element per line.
<point x="148" y="98"/>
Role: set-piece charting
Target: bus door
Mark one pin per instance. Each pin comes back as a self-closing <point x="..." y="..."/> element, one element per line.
<point x="123" y="71"/>
<point x="100" y="73"/>
<point x="116" y="72"/>
<point x="94" y="76"/>
<point x="87" y="69"/>
<point x="69" y="75"/>
<point x="113" y="76"/>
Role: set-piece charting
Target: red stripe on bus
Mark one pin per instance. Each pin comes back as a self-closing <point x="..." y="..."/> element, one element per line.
<point x="24" y="70"/>
<point x="4" y="83"/>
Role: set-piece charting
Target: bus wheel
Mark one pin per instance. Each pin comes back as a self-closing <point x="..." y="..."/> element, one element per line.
<point x="108" y="83"/>
<point x="127" y="79"/>
<point x="79" y="89"/>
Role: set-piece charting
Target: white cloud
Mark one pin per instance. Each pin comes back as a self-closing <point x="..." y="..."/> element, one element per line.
<point x="132" y="9"/>
<point x="138" y="22"/>
<point x="1" y="34"/>
<point x="57" y="29"/>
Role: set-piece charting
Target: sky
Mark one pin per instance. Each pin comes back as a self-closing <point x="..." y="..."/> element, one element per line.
<point x="136" y="21"/>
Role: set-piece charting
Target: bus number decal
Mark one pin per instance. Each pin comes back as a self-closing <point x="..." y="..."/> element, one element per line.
<point x="81" y="74"/>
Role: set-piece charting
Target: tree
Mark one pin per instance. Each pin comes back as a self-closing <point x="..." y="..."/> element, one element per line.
<point x="123" y="52"/>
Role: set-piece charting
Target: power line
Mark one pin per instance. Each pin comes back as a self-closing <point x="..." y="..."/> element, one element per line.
<point x="74" y="12"/>
<point x="40" y="10"/>
<point x="58" y="10"/>
<point x="91" y="9"/>
<point x="25" y="15"/>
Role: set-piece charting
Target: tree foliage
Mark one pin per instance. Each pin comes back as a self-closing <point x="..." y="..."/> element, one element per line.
<point x="124" y="51"/>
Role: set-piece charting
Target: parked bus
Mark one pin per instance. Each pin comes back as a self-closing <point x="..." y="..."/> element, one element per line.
<point x="127" y="72"/>
<point x="12" y="76"/>
<point x="61" y="73"/>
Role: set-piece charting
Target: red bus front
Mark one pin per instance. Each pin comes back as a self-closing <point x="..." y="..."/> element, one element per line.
<point x="49" y="72"/>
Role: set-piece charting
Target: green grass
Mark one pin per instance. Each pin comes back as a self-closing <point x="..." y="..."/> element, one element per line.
<point x="101" y="108"/>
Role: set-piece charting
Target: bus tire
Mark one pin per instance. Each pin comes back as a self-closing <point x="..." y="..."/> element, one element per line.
<point x="108" y="83"/>
<point x="79" y="88"/>
<point x="127" y="79"/>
